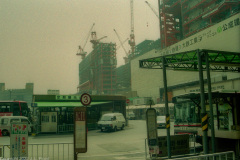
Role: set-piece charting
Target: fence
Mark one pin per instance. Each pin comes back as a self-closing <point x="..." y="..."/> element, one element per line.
<point x="65" y="128"/>
<point x="230" y="155"/>
<point x="52" y="151"/>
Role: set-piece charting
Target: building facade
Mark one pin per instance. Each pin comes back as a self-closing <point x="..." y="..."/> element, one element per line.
<point x="97" y="74"/>
<point x="17" y="94"/>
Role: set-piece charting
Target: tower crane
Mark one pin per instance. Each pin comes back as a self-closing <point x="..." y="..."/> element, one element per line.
<point x="81" y="51"/>
<point x="94" y="39"/>
<point x="132" y="36"/>
<point x="154" y="11"/>
<point x="127" y="54"/>
<point x="123" y="43"/>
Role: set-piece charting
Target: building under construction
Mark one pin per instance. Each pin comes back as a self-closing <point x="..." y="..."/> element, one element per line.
<point x="97" y="74"/>
<point x="179" y="19"/>
<point x="183" y="18"/>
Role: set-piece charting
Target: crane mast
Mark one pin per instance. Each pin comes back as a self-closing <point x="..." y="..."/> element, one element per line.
<point x="127" y="54"/>
<point x="132" y="36"/>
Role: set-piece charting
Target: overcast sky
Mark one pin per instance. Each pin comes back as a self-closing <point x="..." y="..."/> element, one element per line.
<point x="39" y="39"/>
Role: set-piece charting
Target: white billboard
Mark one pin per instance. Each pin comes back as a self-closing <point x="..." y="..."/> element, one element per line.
<point x="223" y="36"/>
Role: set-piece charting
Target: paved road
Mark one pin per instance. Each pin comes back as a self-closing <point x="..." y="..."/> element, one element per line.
<point x="125" y="144"/>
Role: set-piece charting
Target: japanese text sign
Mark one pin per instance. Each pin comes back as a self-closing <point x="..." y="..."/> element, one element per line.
<point x="19" y="140"/>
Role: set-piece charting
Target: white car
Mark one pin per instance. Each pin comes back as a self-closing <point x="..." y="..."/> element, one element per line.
<point x="131" y="115"/>
<point x="112" y="121"/>
<point x="5" y="123"/>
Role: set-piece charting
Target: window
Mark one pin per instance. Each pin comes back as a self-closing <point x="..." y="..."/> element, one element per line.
<point x="14" y="120"/>
<point x="25" y="120"/>
<point x="24" y="109"/>
<point x="54" y="119"/>
<point x="4" y="121"/>
<point x="5" y="108"/>
<point x="45" y="118"/>
<point x="16" y="109"/>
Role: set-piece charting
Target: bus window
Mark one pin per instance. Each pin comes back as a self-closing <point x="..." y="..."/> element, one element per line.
<point x="24" y="109"/>
<point x="4" y="108"/>
<point x="16" y="109"/>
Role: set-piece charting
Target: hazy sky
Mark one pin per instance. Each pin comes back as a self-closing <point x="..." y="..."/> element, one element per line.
<point x="39" y="39"/>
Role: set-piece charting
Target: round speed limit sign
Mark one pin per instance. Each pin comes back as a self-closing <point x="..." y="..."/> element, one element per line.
<point x="85" y="99"/>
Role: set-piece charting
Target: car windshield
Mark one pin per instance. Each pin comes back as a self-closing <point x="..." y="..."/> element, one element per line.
<point x="106" y="118"/>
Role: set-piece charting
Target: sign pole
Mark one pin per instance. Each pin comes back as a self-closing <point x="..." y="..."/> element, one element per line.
<point x="166" y="106"/>
<point x="80" y="126"/>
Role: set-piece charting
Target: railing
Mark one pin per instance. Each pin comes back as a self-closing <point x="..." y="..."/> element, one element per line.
<point x="52" y="151"/>
<point x="230" y="155"/>
<point x="65" y="128"/>
<point x="215" y="156"/>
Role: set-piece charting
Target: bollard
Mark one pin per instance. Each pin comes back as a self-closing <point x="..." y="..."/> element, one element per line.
<point x="0" y="133"/>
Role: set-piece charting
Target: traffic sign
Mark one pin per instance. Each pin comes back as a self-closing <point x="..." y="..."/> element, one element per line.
<point x="152" y="133"/>
<point x="80" y="131"/>
<point x="85" y="99"/>
<point x="127" y="101"/>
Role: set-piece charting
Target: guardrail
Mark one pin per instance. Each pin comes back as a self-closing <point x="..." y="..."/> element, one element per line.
<point x="51" y="151"/>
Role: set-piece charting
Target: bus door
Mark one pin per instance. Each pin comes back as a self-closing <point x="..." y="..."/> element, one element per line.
<point x="49" y="122"/>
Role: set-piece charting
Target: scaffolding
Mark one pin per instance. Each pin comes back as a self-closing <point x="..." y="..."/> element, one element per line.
<point x="85" y="76"/>
<point x="97" y="74"/>
<point x="198" y="15"/>
<point x="183" y="18"/>
<point x="170" y="25"/>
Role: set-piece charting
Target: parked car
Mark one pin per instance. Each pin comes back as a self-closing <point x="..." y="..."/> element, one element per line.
<point x="112" y="121"/>
<point x="131" y="115"/>
<point x="5" y="123"/>
<point x="161" y="122"/>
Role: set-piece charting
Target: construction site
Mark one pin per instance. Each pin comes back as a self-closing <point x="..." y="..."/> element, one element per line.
<point x="178" y="19"/>
<point x="183" y="18"/>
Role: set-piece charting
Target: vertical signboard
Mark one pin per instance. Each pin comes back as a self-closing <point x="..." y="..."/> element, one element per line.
<point x="19" y="140"/>
<point x="152" y="131"/>
<point x="80" y="130"/>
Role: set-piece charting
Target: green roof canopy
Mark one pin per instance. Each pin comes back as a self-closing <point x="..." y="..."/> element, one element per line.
<point x="66" y="104"/>
<point x="218" y="60"/>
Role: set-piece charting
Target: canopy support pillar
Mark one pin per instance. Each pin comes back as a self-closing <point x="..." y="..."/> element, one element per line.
<point x="203" y="106"/>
